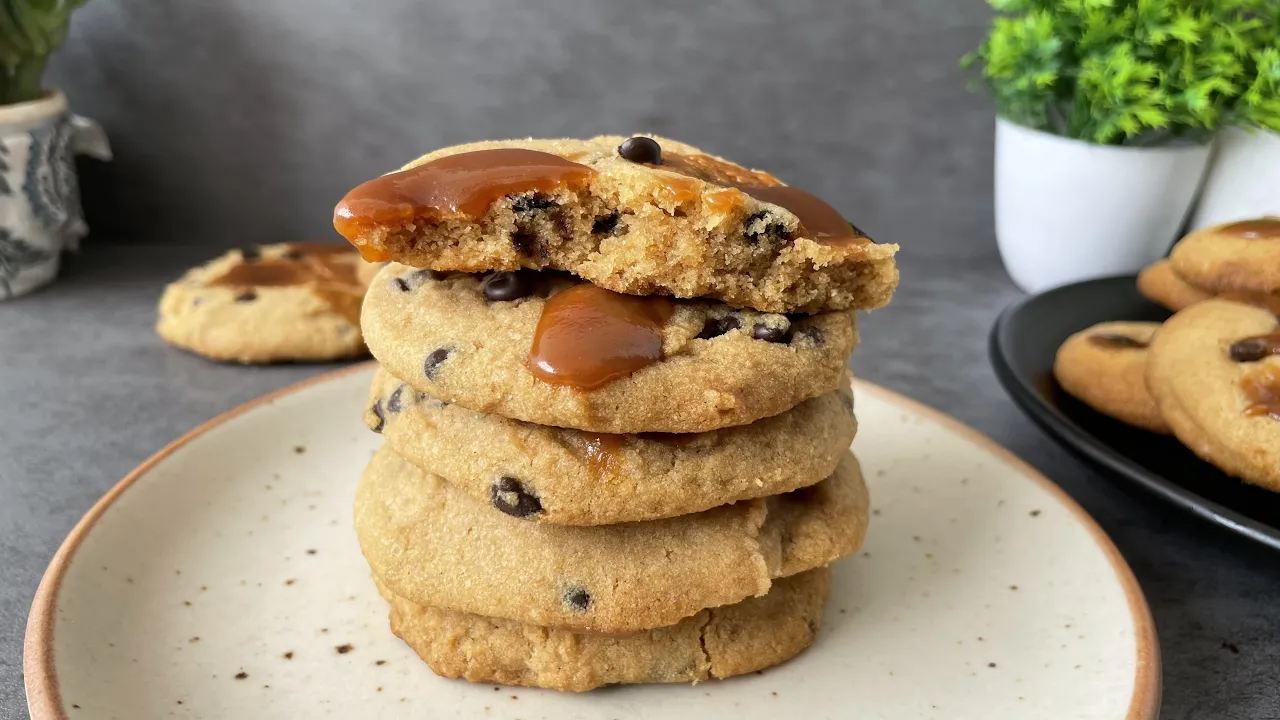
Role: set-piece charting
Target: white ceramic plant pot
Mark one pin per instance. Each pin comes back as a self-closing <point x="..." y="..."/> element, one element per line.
<point x="1068" y="210"/>
<point x="1244" y="179"/>
<point x="39" y="197"/>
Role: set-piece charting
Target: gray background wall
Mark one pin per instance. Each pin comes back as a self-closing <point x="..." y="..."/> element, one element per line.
<point x="245" y="120"/>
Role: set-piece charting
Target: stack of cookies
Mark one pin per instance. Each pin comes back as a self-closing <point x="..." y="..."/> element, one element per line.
<point x="1209" y="375"/>
<point x="616" y="409"/>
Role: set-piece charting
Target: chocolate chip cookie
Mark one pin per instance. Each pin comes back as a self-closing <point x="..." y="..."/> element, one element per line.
<point x="718" y="643"/>
<point x="434" y="545"/>
<point x="1236" y="256"/>
<point x="1103" y="366"/>
<point x="549" y="349"/>
<point x="643" y="216"/>
<point x="1214" y="371"/>
<point x="571" y="477"/>
<point x="274" y="303"/>
<point x="1162" y="285"/>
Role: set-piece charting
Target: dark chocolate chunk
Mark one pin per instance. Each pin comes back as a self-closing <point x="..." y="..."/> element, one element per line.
<point x="606" y="224"/>
<point x="641" y="149"/>
<point x="714" y="328"/>
<point x="247" y="296"/>
<point x="431" y="367"/>
<point x="770" y="333"/>
<point x="395" y="402"/>
<point x="812" y="334"/>
<point x="250" y="253"/>
<point x="528" y="245"/>
<point x="506" y="286"/>
<point x="509" y="496"/>
<point x="531" y="203"/>
<point x="381" y="417"/>
<point x="577" y="598"/>
<point x="1252" y="349"/>
<point x="760" y="226"/>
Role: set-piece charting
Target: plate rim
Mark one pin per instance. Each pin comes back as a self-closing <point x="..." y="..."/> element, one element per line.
<point x="44" y="702"/>
<point x="1078" y="441"/>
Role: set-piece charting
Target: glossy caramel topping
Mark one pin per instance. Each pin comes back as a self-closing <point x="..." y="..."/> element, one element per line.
<point x="602" y="454"/>
<point x="819" y="220"/>
<point x="1262" y="389"/>
<point x="1262" y="228"/>
<point x="462" y="185"/>
<point x="588" y="337"/>
<point x="1116" y="341"/>
<point x="329" y="269"/>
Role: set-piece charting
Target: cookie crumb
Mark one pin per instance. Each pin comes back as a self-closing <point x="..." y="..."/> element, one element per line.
<point x="1035" y="513"/>
<point x="288" y="655"/>
<point x="991" y="664"/>
<point x="194" y="639"/>
<point x="241" y="675"/>
<point x="344" y="648"/>
<point x="290" y="581"/>
<point x="299" y="449"/>
<point x="312" y="551"/>
<point x="380" y="662"/>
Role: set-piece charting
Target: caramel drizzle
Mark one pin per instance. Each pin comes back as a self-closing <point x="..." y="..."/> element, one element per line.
<point x="329" y="269"/>
<point x="588" y="337"/>
<point x="818" y="220"/>
<point x="464" y="185"/>
<point x="1259" y="229"/>
<point x="1262" y="390"/>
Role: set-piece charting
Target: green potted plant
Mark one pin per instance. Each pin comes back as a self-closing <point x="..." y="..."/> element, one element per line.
<point x="1106" y="109"/>
<point x="1244" y="177"/>
<point x="39" y="198"/>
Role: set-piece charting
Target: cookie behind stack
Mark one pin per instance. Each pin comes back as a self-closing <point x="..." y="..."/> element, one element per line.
<point x="582" y="487"/>
<point x="1210" y="375"/>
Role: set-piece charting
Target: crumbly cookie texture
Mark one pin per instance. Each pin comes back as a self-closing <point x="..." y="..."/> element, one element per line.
<point x="1103" y="366"/>
<point x="1240" y="256"/>
<point x="1211" y="372"/>
<point x="443" y="337"/>
<point x="1162" y="285"/>
<point x="224" y="310"/>
<point x="571" y="477"/>
<point x="680" y="228"/>
<point x="722" y="642"/>
<point x="434" y="545"/>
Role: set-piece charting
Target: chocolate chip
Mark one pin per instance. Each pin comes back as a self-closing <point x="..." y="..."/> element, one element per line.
<point x="378" y="413"/>
<point x="509" y="496"/>
<point x="577" y="598"/>
<point x="641" y="149"/>
<point x="765" y="228"/>
<point x="394" y="404"/>
<point x="606" y="224"/>
<point x="431" y="367"/>
<point x="506" y="286"/>
<point x="528" y="245"/>
<point x="250" y="253"/>
<point x="531" y="203"/>
<point x="247" y="296"/>
<point x="812" y="334"/>
<point x="1251" y="349"/>
<point x="714" y="328"/>
<point x="770" y="333"/>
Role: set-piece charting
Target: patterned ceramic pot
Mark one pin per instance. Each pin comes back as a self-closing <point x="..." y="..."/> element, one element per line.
<point x="39" y="197"/>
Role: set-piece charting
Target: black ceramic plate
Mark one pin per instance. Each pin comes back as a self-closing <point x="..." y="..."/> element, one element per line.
<point x="1023" y="343"/>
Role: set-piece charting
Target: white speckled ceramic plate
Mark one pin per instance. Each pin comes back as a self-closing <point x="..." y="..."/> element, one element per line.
<point x="222" y="579"/>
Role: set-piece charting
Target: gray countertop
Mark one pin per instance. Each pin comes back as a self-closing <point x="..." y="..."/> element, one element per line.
<point x="88" y="391"/>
